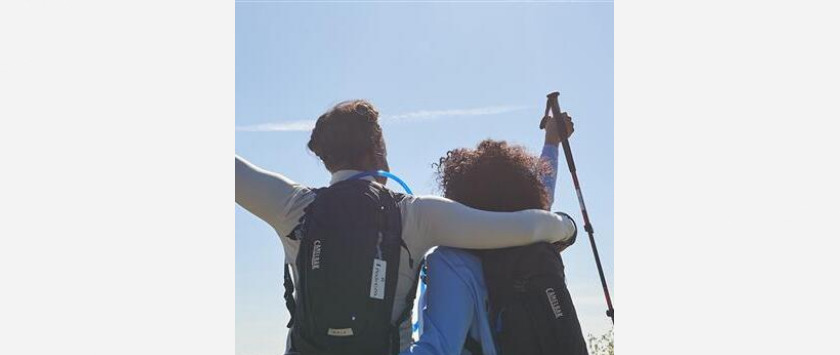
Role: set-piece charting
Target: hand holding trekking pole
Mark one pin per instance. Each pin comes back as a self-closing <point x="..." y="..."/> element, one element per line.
<point x="553" y="133"/>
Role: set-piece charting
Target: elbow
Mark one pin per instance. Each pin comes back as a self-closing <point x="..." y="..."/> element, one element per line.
<point x="568" y="230"/>
<point x="561" y="231"/>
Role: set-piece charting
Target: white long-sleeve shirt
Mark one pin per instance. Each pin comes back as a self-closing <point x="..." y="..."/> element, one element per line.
<point x="427" y="221"/>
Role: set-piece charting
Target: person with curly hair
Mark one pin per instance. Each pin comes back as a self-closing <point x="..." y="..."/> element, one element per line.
<point x="348" y="139"/>
<point x="495" y="176"/>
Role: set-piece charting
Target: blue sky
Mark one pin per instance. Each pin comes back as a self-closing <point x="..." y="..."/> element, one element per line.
<point x="442" y="76"/>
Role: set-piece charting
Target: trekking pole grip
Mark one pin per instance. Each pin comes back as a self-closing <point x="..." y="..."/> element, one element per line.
<point x="553" y="105"/>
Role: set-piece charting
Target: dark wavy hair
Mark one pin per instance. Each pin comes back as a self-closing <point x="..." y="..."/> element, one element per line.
<point x="494" y="176"/>
<point x="347" y="134"/>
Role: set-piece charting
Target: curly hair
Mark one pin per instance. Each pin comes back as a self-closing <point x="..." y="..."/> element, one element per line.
<point x="346" y="134"/>
<point x="494" y="177"/>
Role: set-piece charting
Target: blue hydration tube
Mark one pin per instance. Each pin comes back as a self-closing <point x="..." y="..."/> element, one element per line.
<point x="421" y="302"/>
<point x="386" y="174"/>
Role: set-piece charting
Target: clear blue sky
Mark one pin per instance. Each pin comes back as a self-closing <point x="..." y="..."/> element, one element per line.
<point x="443" y="76"/>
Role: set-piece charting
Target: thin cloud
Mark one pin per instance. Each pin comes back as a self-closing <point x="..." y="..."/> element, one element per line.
<point x="427" y="114"/>
<point x="422" y="115"/>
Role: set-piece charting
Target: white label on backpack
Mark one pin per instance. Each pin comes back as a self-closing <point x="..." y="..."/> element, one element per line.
<point x="343" y="332"/>
<point x="377" y="279"/>
<point x="316" y="255"/>
<point x="555" y="304"/>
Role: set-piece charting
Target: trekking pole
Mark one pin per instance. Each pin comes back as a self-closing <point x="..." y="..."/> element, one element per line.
<point x="553" y="105"/>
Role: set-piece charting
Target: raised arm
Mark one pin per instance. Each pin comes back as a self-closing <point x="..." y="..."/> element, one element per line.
<point x="551" y="151"/>
<point x="269" y="196"/>
<point x="550" y="154"/>
<point x="441" y="221"/>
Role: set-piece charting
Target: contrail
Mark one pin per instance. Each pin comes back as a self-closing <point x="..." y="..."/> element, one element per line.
<point x="422" y="115"/>
<point x="426" y="114"/>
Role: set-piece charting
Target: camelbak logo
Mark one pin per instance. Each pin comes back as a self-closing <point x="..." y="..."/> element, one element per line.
<point x="316" y="255"/>
<point x="555" y="304"/>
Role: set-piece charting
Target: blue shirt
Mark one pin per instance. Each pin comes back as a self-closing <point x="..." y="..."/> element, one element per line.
<point x="456" y="304"/>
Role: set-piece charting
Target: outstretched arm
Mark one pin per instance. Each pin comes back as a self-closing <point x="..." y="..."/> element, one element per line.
<point x="269" y="196"/>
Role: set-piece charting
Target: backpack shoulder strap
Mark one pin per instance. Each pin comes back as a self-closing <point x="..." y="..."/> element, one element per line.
<point x="288" y="284"/>
<point x="393" y="224"/>
<point x="405" y="315"/>
<point x="288" y="295"/>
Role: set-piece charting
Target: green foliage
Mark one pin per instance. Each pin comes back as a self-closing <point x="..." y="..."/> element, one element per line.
<point x="602" y="345"/>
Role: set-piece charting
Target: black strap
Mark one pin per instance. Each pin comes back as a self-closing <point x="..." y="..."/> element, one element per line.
<point x="473" y="346"/>
<point x="409" y="305"/>
<point x="410" y="259"/>
<point x="289" y="294"/>
<point x="390" y="198"/>
<point x="409" y="298"/>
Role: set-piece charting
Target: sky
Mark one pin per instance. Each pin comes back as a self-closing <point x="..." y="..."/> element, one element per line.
<point x="443" y="76"/>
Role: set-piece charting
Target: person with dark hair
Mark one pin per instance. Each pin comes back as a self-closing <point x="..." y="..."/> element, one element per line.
<point x="349" y="137"/>
<point x="371" y="226"/>
<point x="495" y="176"/>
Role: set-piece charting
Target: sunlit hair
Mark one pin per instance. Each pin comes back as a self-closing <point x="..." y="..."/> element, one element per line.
<point x="494" y="176"/>
<point x="346" y="134"/>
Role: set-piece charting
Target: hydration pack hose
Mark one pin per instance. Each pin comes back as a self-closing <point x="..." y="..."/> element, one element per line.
<point x="383" y="173"/>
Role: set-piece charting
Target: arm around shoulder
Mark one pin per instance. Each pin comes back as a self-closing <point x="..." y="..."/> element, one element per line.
<point x="449" y="223"/>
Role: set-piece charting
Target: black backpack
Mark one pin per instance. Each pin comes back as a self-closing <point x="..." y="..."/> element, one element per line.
<point x="531" y="310"/>
<point x="350" y="240"/>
